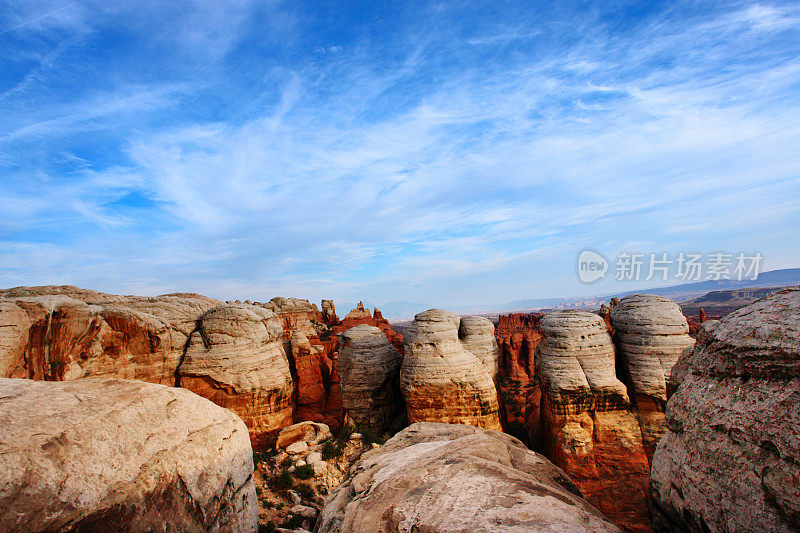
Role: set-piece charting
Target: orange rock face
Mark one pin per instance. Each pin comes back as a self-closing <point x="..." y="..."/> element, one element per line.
<point x="520" y="396"/>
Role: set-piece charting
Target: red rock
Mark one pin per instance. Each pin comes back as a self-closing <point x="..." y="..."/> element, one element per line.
<point x="520" y="397"/>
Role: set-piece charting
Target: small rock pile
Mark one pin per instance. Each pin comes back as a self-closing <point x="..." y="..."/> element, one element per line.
<point x="294" y="478"/>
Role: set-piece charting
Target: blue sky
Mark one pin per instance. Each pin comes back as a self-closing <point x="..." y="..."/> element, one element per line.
<point x="452" y="153"/>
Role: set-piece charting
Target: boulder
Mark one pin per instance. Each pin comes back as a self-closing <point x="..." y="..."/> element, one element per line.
<point x="729" y="460"/>
<point x="235" y="359"/>
<point x="441" y="379"/>
<point x="104" y="454"/>
<point x="588" y="426"/>
<point x="309" y="432"/>
<point x="369" y="370"/>
<point x="454" y="478"/>
<point x="650" y="333"/>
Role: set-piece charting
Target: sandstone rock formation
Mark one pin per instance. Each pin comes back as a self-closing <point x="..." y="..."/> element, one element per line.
<point x="64" y="333"/>
<point x="729" y="461"/>
<point x="369" y="369"/>
<point x="650" y="333"/>
<point x="520" y="396"/>
<point x="235" y="358"/>
<point x="103" y="454"/>
<point x="329" y="313"/>
<point x="309" y="384"/>
<point x="361" y="316"/>
<point x="477" y="336"/>
<point x="449" y="478"/>
<point x="296" y="315"/>
<point x="587" y="425"/>
<point x="441" y="380"/>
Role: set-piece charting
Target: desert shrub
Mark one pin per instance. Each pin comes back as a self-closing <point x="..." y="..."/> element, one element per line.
<point x="286" y="463"/>
<point x="269" y="527"/>
<point x="332" y="448"/>
<point x="260" y="456"/>
<point x="305" y="491"/>
<point x="322" y="489"/>
<point x="304" y="472"/>
<point x="282" y="481"/>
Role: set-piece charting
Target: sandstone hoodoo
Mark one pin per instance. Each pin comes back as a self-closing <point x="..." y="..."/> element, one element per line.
<point x="443" y="477"/>
<point x="441" y="379"/>
<point x="369" y="369"/>
<point x="650" y="333"/>
<point x="729" y="460"/>
<point x="236" y="359"/>
<point x="587" y="425"/>
<point x="103" y="454"/>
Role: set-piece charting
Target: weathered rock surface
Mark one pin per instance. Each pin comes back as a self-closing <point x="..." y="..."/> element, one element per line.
<point x="361" y="316"/>
<point x="369" y="369"/>
<point x="588" y="427"/>
<point x="104" y="454"/>
<point x="309" y="381"/>
<point x="441" y="380"/>
<point x="308" y="432"/>
<point x="451" y="478"/>
<point x="650" y="333"/>
<point x="520" y="395"/>
<point x="236" y="359"/>
<point x="477" y="336"/>
<point x="729" y="460"/>
<point x="296" y="315"/>
<point x="61" y="333"/>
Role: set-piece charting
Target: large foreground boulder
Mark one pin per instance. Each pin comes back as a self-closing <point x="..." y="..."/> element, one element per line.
<point x="449" y="478"/>
<point x="729" y="460"/>
<point x="442" y="379"/>
<point x="105" y="454"/>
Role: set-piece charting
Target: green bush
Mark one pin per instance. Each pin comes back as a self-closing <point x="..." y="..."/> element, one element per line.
<point x="305" y="491"/>
<point x="304" y="472"/>
<point x="281" y="482"/>
<point x="331" y="449"/>
<point x="286" y="463"/>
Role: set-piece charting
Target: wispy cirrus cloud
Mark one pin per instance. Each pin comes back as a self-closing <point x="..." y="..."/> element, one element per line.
<point x="451" y="158"/>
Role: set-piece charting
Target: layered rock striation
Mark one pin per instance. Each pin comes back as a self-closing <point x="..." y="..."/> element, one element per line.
<point x="62" y="333"/>
<point x="369" y="369"/>
<point x="729" y="460"/>
<point x="103" y="454"/>
<point x="588" y="427"/>
<point x="443" y="478"/>
<point x="441" y="379"/>
<point x="650" y="333"/>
